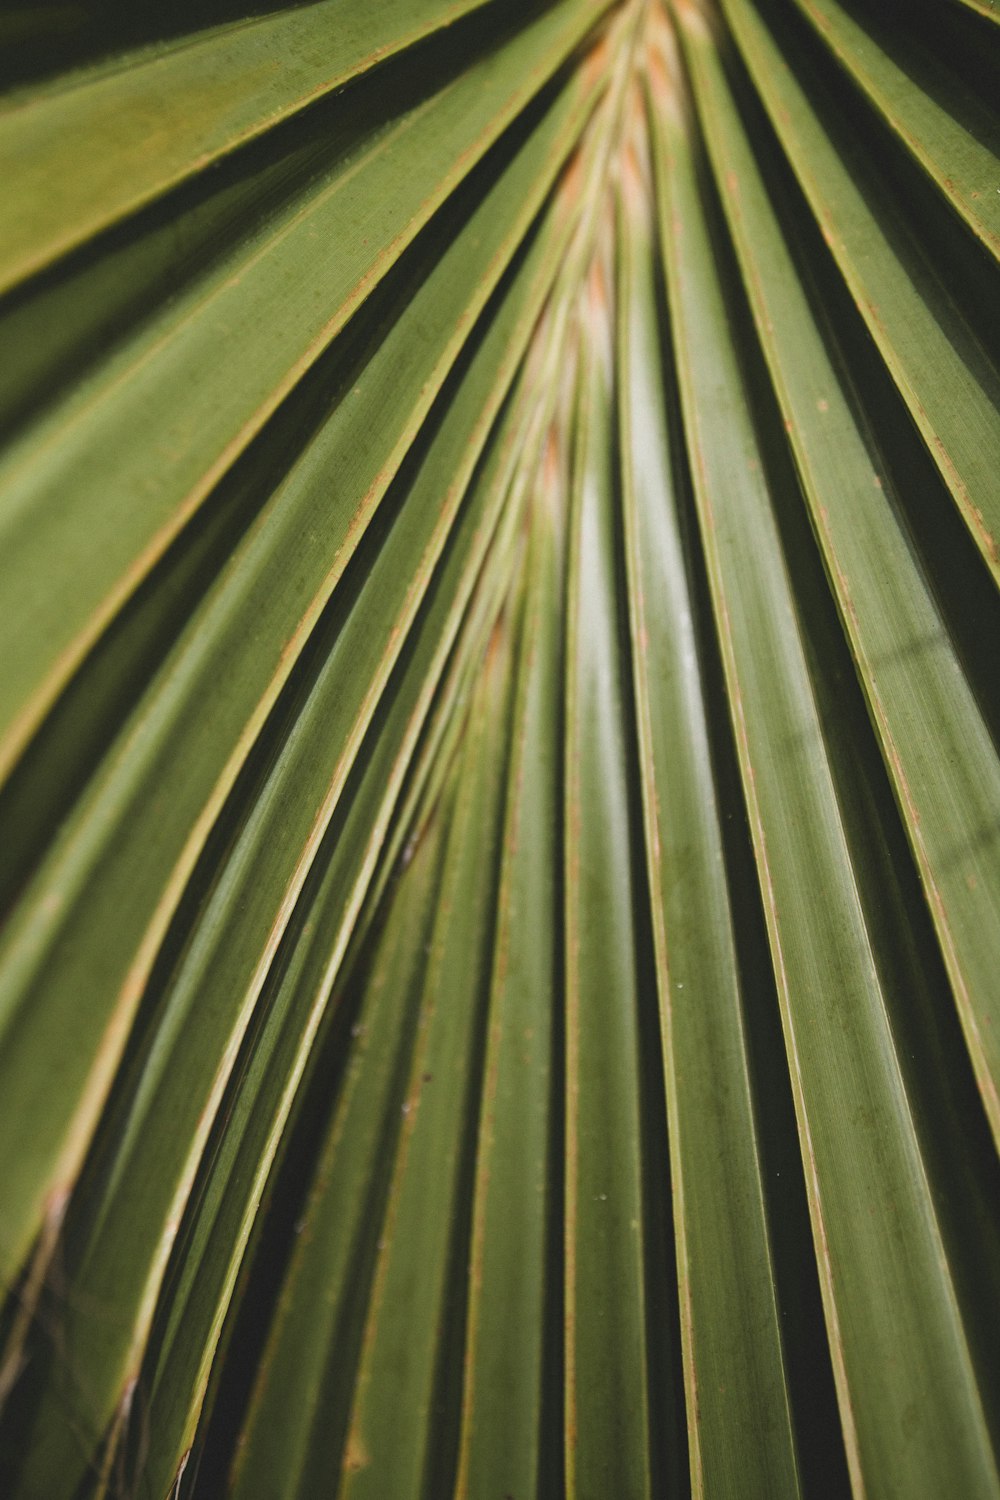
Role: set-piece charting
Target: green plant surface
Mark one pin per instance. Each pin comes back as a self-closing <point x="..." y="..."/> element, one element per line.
<point x="869" y="1201"/>
<point x="500" y="751"/>
<point x="733" y="1358"/>
<point x="959" y="157"/>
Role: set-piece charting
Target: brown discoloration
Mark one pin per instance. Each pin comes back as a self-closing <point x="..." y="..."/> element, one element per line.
<point x="634" y="170"/>
<point x="496" y="645"/>
<point x="597" y="288"/>
<point x="634" y="196"/>
<point x="356" y="1455"/>
<point x="668" y="94"/>
<point x="572" y="180"/>
<point x="595" y="67"/>
<point x="657" y="74"/>
<point x="551" y="465"/>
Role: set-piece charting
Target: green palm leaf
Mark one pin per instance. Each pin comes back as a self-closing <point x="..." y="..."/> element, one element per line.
<point x="500" y="885"/>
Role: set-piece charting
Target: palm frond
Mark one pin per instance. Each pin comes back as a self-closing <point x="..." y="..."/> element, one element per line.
<point x="499" y="743"/>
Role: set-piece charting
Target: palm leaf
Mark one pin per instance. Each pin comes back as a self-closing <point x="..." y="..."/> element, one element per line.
<point x="500" y="889"/>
